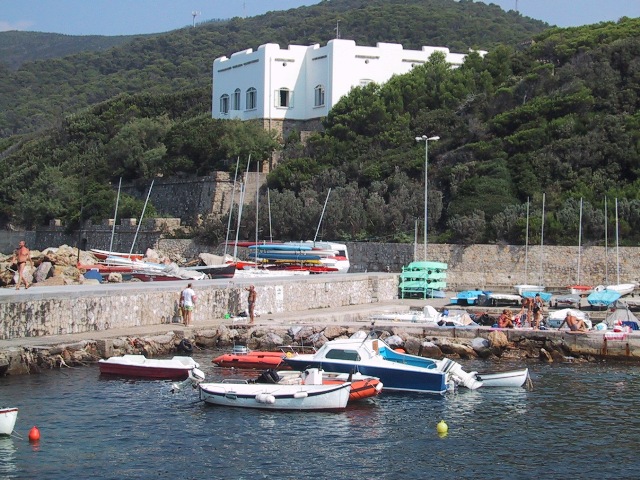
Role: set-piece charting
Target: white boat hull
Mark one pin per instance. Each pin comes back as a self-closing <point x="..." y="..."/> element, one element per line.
<point x="528" y="288"/>
<point x="622" y="288"/>
<point x="8" y="417"/>
<point x="510" y="379"/>
<point x="276" y="397"/>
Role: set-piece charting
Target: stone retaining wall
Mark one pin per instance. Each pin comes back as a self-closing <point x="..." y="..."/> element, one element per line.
<point x="487" y="266"/>
<point x="99" y="308"/>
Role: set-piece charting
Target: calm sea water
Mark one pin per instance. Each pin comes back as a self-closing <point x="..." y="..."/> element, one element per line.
<point x="580" y="420"/>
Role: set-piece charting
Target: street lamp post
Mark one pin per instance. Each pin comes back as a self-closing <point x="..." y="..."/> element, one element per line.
<point x="426" y="141"/>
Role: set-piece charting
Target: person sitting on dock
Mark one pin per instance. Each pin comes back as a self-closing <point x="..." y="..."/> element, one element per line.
<point x="504" y="320"/>
<point x="574" y="323"/>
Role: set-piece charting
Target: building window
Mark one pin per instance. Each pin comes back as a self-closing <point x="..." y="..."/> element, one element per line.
<point x="224" y="104"/>
<point x="319" y="96"/>
<point x="284" y="98"/>
<point x="252" y="99"/>
<point x="236" y="99"/>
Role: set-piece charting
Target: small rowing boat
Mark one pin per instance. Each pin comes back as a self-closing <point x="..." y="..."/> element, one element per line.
<point x="510" y="379"/>
<point x="362" y="386"/>
<point x="176" y="368"/>
<point x="305" y="396"/>
<point x="8" y="417"/>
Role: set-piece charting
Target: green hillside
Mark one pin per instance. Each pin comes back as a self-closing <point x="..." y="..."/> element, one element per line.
<point x="40" y="93"/>
<point x="549" y="111"/>
<point x="17" y="48"/>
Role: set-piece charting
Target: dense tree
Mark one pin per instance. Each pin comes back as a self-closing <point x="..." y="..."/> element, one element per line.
<point x="558" y="117"/>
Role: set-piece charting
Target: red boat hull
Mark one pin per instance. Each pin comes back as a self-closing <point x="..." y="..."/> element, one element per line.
<point x="154" y="373"/>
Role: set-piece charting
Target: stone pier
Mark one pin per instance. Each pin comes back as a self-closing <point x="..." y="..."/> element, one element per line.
<point x="72" y="309"/>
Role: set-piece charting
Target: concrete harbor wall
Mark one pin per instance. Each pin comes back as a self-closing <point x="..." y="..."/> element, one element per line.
<point x="502" y="266"/>
<point x="94" y="308"/>
<point x="497" y="267"/>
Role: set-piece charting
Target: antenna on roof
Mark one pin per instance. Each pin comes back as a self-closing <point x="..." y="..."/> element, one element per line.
<point x="194" y="14"/>
<point x="337" y="29"/>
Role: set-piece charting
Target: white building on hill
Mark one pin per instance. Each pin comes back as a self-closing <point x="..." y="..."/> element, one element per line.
<point x="294" y="88"/>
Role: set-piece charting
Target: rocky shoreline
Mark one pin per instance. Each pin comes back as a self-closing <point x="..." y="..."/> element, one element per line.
<point x="490" y="345"/>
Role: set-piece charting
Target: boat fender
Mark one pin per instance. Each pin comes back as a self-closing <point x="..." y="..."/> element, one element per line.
<point x="379" y="387"/>
<point x="265" y="398"/>
<point x="185" y="346"/>
<point x="300" y="395"/>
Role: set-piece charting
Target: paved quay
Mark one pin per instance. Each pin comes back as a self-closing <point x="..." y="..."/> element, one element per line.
<point x="344" y="315"/>
<point x="348" y="313"/>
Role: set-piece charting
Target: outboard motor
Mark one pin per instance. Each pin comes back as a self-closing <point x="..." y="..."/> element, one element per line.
<point x="268" y="376"/>
<point x="456" y="372"/>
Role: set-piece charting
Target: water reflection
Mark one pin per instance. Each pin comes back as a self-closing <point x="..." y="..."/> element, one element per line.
<point x="7" y="456"/>
<point x="578" y="418"/>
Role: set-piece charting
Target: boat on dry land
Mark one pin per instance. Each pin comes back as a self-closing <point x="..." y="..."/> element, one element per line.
<point x="176" y="368"/>
<point x="8" y="417"/>
<point x="104" y="255"/>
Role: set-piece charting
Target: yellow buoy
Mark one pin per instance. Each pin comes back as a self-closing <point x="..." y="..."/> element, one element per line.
<point x="442" y="427"/>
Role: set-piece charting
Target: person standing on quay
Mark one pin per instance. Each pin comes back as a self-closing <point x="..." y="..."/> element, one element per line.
<point x="21" y="256"/>
<point x="188" y="303"/>
<point x="251" y="300"/>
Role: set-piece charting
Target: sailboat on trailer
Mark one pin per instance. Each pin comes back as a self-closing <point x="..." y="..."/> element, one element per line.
<point x="525" y="289"/>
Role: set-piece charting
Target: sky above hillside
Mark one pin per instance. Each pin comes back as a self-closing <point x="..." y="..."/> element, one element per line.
<point x="129" y="17"/>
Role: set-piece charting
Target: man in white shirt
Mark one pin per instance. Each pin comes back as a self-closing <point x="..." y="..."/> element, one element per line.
<point x="188" y="303"/>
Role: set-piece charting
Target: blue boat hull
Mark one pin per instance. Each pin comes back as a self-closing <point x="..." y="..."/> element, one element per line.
<point x="392" y="379"/>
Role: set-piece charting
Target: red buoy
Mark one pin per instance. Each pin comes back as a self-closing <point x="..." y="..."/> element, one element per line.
<point x="34" y="434"/>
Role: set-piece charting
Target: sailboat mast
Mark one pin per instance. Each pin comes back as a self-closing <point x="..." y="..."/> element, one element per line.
<point x="141" y="217"/>
<point x="322" y="215"/>
<point x="269" y="205"/>
<point x="233" y="194"/>
<point x="606" y="245"/>
<point x="542" y="244"/>
<point x="617" y="247"/>
<point x="257" y="196"/>
<point x="240" y="204"/>
<point x="579" y="240"/>
<point x="526" y="248"/>
<point x="115" y="215"/>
